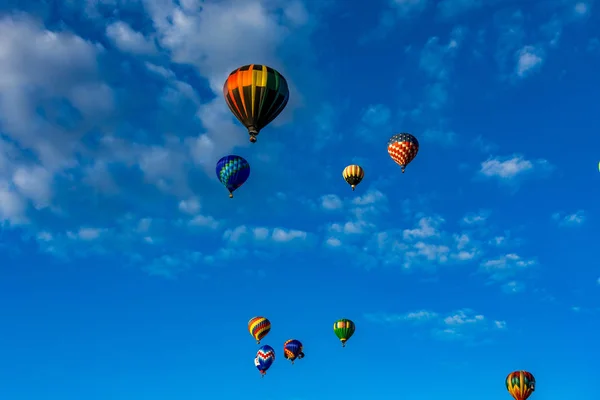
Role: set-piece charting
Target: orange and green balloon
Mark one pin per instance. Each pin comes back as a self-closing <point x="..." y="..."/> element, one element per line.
<point x="256" y="95"/>
<point x="520" y="384"/>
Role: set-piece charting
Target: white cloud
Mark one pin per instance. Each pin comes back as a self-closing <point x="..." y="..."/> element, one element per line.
<point x="507" y="267"/>
<point x="36" y="68"/>
<point x="475" y="218"/>
<point x="190" y="206"/>
<point x="577" y="218"/>
<point x="509" y="168"/>
<point x="333" y="242"/>
<point x="128" y="40"/>
<point x="86" y="234"/>
<point x="427" y="227"/>
<point x="204" y="221"/>
<point x="581" y="8"/>
<point x="331" y="202"/>
<point x="243" y="234"/>
<point x="12" y="206"/>
<point x="462" y="324"/>
<point x="513" y="287"/>
<point x="529" y="59"/>
<point x="283" y="235"/>
<point x="34" y="183"/>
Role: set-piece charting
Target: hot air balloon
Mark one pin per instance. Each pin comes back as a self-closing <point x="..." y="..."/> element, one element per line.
<point x="292" y="349"/>
<point x="233" y="171"/>
<point x="344" y="329"/>
<point x="353" y="174"/>
<point x="259" y="327"/>
<point x="256" y="95"/>
<point x="264" y="359"/>
<point x="520" y="384"/>
<point x="403" y="148"/>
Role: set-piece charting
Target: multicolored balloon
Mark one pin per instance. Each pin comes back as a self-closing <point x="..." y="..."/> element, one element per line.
<point x="520" y="384"/>
<point x="344" y="329"/>
<point x="259" y="327"/>
<point x="256" y="95"/>
<point x="233" y="171"/>
<point x="353" y="174"/>
<point x="403" y="148"/>
<point x="292" y="349"/>
<point x="264" y="359"/>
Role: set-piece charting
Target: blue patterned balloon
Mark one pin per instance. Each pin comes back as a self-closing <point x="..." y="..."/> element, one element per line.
<point x="232" y="171"/>
<point x="264" y="359"/>
<point x="293" y="349"/>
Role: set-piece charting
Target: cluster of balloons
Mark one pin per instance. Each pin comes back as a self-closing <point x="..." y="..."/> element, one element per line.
<point x="256" y="94"/>
<point x="293" y="349"/>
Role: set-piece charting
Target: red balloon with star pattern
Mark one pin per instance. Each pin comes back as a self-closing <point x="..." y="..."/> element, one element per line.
<point x="403" y="148"/>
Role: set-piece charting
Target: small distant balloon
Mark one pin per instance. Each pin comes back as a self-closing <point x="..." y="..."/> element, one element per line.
<point x="403" y="148"/>
<point x="344" y="329"/>
<point x="353" y="175"/>
<point x="520" y="384"/>
<point x="256" y="95"/>
<point x="259" y="327"/>
<point x="293" y="349"/>
<point x="264" y="359"/>
<point x="233" y="171"/>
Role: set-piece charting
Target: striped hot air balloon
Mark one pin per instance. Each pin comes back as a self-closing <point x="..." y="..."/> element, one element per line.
<point x="520" y="384"/>
<point x="256" y="95"/>
<point x="353" y="175"/>
<point x="259" y="327"/>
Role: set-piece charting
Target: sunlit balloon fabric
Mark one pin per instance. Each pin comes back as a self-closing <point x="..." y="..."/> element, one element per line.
<point x="520" y="384"/>
<point x="256" y="95"/>
<point x="403" y="148"/>
<point x="259" y="327"/>
<point x="233" y="171"/>
<point x="292" y="349"/>
<point x="264" y="359"/>
<point x="344" y="329"/>
<point x="353" y="175"/>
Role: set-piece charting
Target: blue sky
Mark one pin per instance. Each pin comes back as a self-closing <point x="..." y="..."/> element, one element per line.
<point x="126" y="272"/>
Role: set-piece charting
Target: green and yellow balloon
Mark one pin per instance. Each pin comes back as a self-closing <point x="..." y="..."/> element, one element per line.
<point x="344" y="329"/>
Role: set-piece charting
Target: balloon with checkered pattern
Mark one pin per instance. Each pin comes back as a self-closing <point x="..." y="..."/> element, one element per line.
<point x="403" y="148"/>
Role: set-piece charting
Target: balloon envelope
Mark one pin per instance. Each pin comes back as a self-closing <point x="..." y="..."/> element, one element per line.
<point x="259" y="327"/>
<point x="353" y="175"/>
<point x="403" y="148"/>
<point x="233" y="171"/>
<point x="344" y="329"/>
<point x="520" y="384"/>
<point x="256" y="95"/>
<point x="292" y="349"/>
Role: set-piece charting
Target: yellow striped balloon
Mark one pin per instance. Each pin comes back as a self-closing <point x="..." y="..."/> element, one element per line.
<point x="259" y="327"/>
<point x="353" y="174"/>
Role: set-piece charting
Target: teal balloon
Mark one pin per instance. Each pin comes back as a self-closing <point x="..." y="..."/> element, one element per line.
<point x="233" y="171"/>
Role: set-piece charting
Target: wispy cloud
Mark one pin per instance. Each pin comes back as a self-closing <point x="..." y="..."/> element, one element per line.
<point x="529" y="60"/>
<point x="574" y="219"/>
<point x="464" y="324"/>
<point x="507" y="269"/>
<point x="513" y="168"/>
